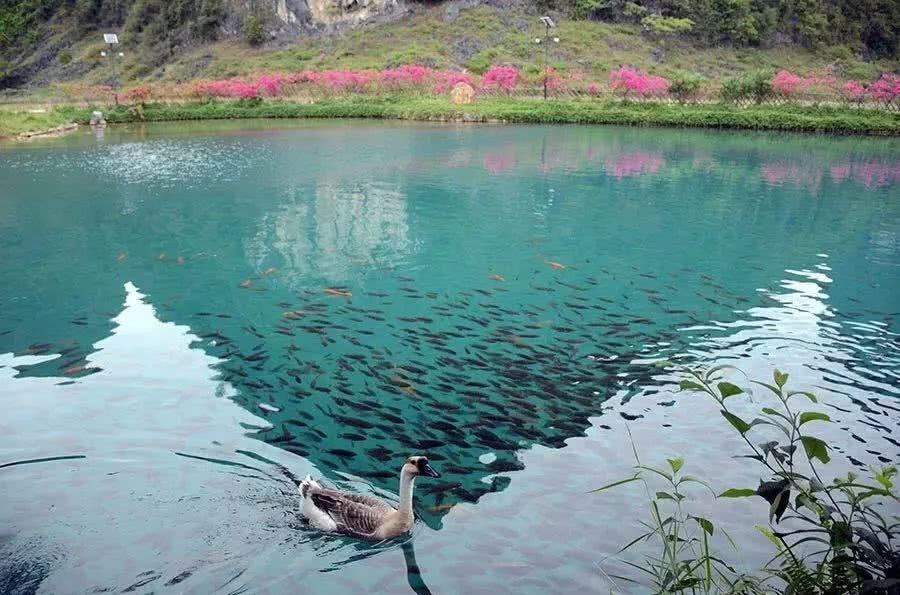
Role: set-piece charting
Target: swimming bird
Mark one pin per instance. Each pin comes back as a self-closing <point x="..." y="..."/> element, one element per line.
<point x="361" y="515"/>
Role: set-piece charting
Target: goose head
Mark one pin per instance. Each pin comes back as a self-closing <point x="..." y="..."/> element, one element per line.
<point x="418" y="465"/>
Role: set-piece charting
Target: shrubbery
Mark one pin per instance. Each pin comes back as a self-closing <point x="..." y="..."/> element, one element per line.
<point x="839" y="534"/>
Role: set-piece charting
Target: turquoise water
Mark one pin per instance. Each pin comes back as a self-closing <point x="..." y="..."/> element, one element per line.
<point x="170" y="357"/>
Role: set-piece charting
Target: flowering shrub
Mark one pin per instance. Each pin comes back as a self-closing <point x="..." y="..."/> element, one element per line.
<point x="404" y="76"/>
<point x="886" y="89"/>
<point x="235" y="88"/>
<point x="445" y="80"/>
<point x="137" y="94"/>
<point x="854" y="91"/>
<point x="787" y="84"/>
<point x="626" y="79"/>
<point x="270" y="84"/>
<point x="593" y="89"/>
<point x="505" y="78"/>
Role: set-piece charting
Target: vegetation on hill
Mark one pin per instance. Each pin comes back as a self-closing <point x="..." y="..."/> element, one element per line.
<point x="45" y="40"/>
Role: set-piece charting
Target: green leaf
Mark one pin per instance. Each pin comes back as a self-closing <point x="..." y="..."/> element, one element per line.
<point x="815" y="448"/>
<point x="808" y="395"/>
<point x="737" y="493"/>
<point x="739" y="424"/>
<point x="812" y="416"/>
<point x="768" y="533"/>
<point x="774" y="389"/>
<point x="707" y="526"/>
<point x="770" y="411"/>
<point x="617" y="483"/>
<point x="665" y="496"/>
<point x="729" y="390"/>
<point x="688" y="385"/>
<point x="780" y="378"/>
<point x="676" y="464"/>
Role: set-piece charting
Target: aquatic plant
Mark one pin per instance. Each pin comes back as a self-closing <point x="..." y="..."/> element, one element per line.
<point x="836" y="539"/>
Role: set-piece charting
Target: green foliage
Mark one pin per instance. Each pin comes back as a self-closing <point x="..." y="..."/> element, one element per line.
<point x="528" y="111"/>
<point x="755" y="85"/>
<point x="685" y="86"/>
<point x="871" y="24"/>
<point x="64" y="56"/>
<point x="845" y="520"/>
<point x="659" y="25"/>
<point x="254" y="34"/>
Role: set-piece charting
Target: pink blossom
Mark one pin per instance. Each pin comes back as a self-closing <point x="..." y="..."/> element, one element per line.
<point x="445" y="80"/>
<point x="505" y="78"/>
<point x="886" y="89"/>
<point x="787" y="83"/>
<point x="629" y="80"/>
<point x="854" y="90"/>
<point x="137" y="94"/>
<point x="405" y="75"/>
<point x="593" y="89"/>
<point x="270" y="83"/>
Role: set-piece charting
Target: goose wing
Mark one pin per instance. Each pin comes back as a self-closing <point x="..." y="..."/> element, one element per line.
<point x="356" y="514"/>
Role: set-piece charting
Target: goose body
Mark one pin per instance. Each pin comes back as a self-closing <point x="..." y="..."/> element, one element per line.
<point x="361" y="515"/>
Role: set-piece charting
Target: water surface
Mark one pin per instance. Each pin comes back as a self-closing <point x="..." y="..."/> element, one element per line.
<point x="170" y="357"/>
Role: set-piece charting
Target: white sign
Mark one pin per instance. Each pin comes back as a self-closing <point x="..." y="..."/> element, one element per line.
<point x="110" y="38"/>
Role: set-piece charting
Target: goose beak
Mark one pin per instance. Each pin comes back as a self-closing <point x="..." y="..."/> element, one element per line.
<point x="429" y="471"/>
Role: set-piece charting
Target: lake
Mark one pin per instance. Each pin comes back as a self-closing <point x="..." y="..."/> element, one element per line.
<point x="193" y="314"/>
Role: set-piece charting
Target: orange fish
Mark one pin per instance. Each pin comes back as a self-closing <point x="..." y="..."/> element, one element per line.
<point x="246" y="283"/>
<point x="498" y="277"/>
<point x="122" y="257"/>
<point x="269" y="271"/>
<point x="337" y="292"/>
<point x="294" y="314"/>
<point x="555" y="265"/>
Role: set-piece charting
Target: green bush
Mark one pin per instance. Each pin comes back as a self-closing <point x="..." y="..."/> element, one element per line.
<point x="686" y="86"/>
<point x="65" y="56"/>
<point x="254" y="34"/>
<point x="754" y="85"/>
<point x="838" y="537"/>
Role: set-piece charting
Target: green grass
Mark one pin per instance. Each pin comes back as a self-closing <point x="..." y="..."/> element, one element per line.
<point x="481" y="36"/>
<point x="795" y="118"/>
<point x="14" y="122"/>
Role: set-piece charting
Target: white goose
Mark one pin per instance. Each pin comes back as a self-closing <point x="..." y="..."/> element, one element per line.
<point x="361" y="515"/>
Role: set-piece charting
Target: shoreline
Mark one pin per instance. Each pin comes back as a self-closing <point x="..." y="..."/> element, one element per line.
<point x="788" y="118"/>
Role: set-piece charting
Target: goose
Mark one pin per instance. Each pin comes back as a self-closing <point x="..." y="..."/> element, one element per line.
<point x="360" y="515"/>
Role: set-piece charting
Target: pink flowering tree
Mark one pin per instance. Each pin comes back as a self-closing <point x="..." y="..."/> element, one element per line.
<point x="886" y="89"/>
<point x="445" y="80"/>
<point x="854" y="91"/>
<point x="594" y="89"/>
<point x="405" y="77"/>
<point x="788" y="84"/>
<point x="630" y="81"/>
<point x="271" y="84"/>
<point x="138" y="94"/>
<point x="501" y="78"/>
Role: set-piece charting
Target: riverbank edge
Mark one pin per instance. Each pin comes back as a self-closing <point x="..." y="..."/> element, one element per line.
<point x="832" y="120"/>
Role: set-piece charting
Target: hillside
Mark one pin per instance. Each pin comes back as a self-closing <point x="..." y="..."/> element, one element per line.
<point x="42" y="41"/>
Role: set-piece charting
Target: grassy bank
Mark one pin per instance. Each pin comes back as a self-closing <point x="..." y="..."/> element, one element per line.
<point x="795" y="118"/>
<point x="15" y="122"/>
